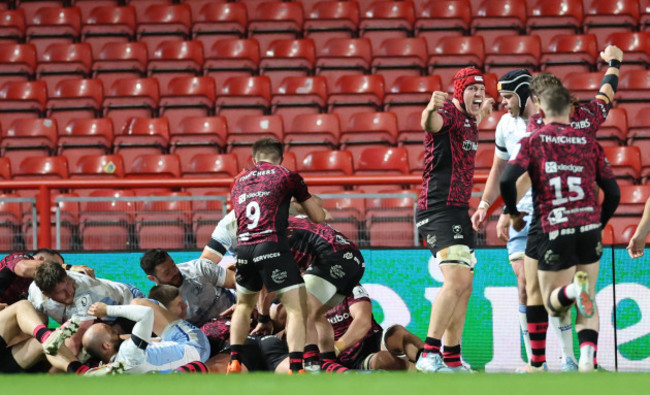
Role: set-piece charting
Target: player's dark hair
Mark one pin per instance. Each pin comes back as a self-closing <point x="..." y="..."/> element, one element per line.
<point x="49" y="251"/>
<point x="268" y="148"/>
<point x="163" y="293"/>
<point x="49" y="275"/>
<point x="556" y="101"/>
<point x="153" y="258"/>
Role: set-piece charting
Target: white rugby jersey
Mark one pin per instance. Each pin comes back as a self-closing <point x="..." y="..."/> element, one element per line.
<point x="202" y="290"/>
<point x="508" y="133"/>
<point x="88" y="290"/>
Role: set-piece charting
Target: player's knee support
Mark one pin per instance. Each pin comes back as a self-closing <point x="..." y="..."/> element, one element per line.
<point x="322" y="289"/>
<point x="458" y="255"/>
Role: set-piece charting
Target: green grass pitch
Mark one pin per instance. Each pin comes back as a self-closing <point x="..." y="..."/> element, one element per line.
<point x="375" y="383"/>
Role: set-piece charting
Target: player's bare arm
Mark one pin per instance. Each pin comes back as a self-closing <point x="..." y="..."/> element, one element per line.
<point x="491" y="192"/>
<point x="313" y="209"/>
<point x="431" y="121"/>
<point x="613" y="56"/>
<point x="361" y="313"/>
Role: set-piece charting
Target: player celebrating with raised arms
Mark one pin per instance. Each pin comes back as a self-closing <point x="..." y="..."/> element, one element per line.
<point x="564" y="163"/>
<point x="451" y="141"/>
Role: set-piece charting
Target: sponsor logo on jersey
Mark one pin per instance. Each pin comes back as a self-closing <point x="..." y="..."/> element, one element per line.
<point x="581" y="124"/>
<point x="599" y="249"/>
<point x="556" y="216"/>
<point x="258" y="173"/>
<point x="338" y="318"/>
<point x="423" y="222"/>
<point x="457" y="229"/>
<point x="587" y="228"/>
<point x="551" y="257"/>
<point x="279" y="276"/>
<point x="432" y="240"/>
<point x="242" y="261"/>
<point x="244" y="196"/>
<point x="348" y="255"/>
<point x="469" y="145"/>
<point x="337" y="272"/>
<point x="266" y="256"/>
<point x="553" y="167"/>
<point x="341" y="240"/>
<point x="563" y="139"/>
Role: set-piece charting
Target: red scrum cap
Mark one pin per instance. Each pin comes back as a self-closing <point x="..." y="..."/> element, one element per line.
<point x="464" y="78"/>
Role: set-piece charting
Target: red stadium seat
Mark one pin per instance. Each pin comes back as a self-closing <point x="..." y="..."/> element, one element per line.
<point x="549" y="18"/>
<point x="131" y="98"/>
<point x="28" y="137"/>
<point x="275" y="20"/>
<point x="632" y="92"/>
<point x="108" y="24"/>
<point x="348" y="213"/>
<point x="207" y="214"/>
<point x="85" y="137"/>
<point x="243" y="96"/>
<point x="53" y="25"/>
<point x="75" y="99"/>
<point x="511" y="52"/>
<point x="644" y="17"/>
<point x="331" y="19"/>
<point x="633" y="199"/>
<point x="120" y="60"/>
<point x="64" y="61"/>
<point x="494" y="18"/>
<point x="12" y="26"/>
<point x="411" y="137"/>
<point x="210" y="166"/>
<point x="639" y="136"/>
<point x="142" y="136"/>
<point x="166" y="222"/>
<point x="250" y="129"/>
<point x="356" y="93"/>
<point x="583" y="86"/>
<point x="409" y="94"/>
<point x="400" y="57"/>
<point x="387" y="19"/>
<point x="31" y="7"/>
<point x="570" y="53"/>
<point x="453" y="53"/>
<point x="483" y="160"/>
<point x="232" y="58"/>
<point x="382" y="161"/>
<point x="626" y="163"/>
<point x="488" y="126"/>
<point x="369" y="129"/>
<point x="442" y="18"/>
<point x="299" y="95"/>
<point x="162" y="22"/>
<point x="608" y="235"/>
<point x="614" y="130"/>
<point x="107" y="225"/>
<point x="604" y="17"/>
<point x="187" y="97"/>
<point x="198" y="135"/>
<point x="22" y="99"/>
<point x="625" y="234"/>
<point x="10" y="219"/>
<point x="5" y="168"/>
<point x="17" y="62"/>
<point x="327" y="163"/>
<point x="99" y="166"/>
<point x="173" y="59"/>
<point x="42" y="168"/>
<point x="154" y="166"/>
<point x="311" y="132"/>
<point x="287" y="58"/>
<point x="390" y="220"/>
<point x="343" y="56"/>
<point x="635" y="46"/>
<point x="219" y="21"/>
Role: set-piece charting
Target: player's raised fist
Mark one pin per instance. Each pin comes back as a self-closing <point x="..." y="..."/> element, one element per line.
<point x="438" y="99"/>
<point x="611" y="52"/>
<point x="97" y="309"/>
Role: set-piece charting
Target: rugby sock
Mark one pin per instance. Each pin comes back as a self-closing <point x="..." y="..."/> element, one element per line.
<point x="431" y="345"/>
<point x="193" y="367"/>
<point x="295" y="361"/>
<point x="588" y="339"/>
<point x="77" y="367"/>
<point x="566" y="296"/>
<point x="537" y="318"/>
<point x="41" y="333"/>
<point x="451" y="356"/>
<point x="523" y="323"/>
<point x="236" y="351"/>
<point x="328" y="363"/>
<point x="311" y="355"/>
<point x="564" y="329"/>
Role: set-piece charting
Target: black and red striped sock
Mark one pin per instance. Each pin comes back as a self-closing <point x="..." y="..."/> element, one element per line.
<point x="193" y="367"/>
<point x="589" y="337"/>
<point x="537" y="318"/>
<point x="77" y="367"/>
<point x="41" y="333"/>
<point x="431" y="345"/>
<point x="451" y="356"/>
<point x="295" y="361"/>
<point x="236" y="351"/>
<point x="312" y="355"/>
<point x="329" y="364"/>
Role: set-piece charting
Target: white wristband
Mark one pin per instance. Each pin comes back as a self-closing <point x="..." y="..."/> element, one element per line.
<point x="484" y="205"/>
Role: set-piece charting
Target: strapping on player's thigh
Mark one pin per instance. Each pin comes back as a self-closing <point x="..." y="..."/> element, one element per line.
<point x="457" y="255"/>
